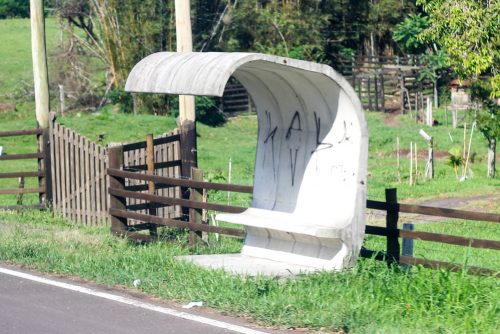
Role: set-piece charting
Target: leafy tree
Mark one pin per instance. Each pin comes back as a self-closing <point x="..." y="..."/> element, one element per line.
<point x="468" y="30"/>
<point x="285" y="28"/>
<point x="407" y="33"/>
<point x="14" y="8"/>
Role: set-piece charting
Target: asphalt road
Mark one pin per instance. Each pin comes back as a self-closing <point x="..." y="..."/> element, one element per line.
<point x="33" y="307"/>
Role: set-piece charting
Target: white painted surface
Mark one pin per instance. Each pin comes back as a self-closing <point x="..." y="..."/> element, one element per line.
<point x="311" y="164"/>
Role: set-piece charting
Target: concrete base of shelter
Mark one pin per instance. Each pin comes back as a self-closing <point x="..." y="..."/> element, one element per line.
<point x="240" y="264"/>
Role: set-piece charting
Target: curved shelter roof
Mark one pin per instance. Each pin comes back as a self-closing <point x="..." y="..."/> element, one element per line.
<point x="312" y="144"/>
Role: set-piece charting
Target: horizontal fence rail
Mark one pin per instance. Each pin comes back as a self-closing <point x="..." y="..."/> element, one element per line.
<point x="17" y="133"/>
<point x="434" y="211"/>
<point x="16" y="175"/>
<point x="42" y="157"/>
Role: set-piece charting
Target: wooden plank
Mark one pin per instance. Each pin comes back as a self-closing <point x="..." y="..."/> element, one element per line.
<point x="52" y="141"/>
<point x="158" y="165"/>
<point x="176" y="223"/>
<point x="78" y="185"/>
<point x="435" y="237"/>
<point x="450" y="239"/>
<point x="67" y="164"/>
<point x="393" y="247"/>
<point x="450" y="213"/>
<point x="156" y="141"/>
<point x="435" y="211"/>
<point x="195" y="215"/>
<point x="72" y="173"/>
<point x="150" y="162"/>
<point x="181" y="182"/>
<point x="381" y="231"/>
<point x="56" y="176"/>
<point x="20" y="174"/>
<point x="159" y="154"/>
<point x="144" y="187"/>
<point x="176" y="201"/>
<point x="103" y="186"/>
<point x="97" y="183"/>
<point x="62" y="166"/>
<point x="21" y="132"/>
<point x="39" y="190"/>
<point x="115" y="160"/>
<point x="83" y="202"/>
<point x="38" y="155"/>
<point x="91" y="181"/>
<point x="21" y="207"/>
<point x="87" y="178"/>
<point x="432" y="264"/>
<point x="144" y="206"/>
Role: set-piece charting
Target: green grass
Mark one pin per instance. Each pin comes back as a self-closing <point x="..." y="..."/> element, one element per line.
<point x="485" y="258"/>
<point x="15" y="54"/>
<point x="369" y="299"/>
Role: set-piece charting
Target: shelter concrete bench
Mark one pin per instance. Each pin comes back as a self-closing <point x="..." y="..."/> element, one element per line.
<point x="310" y="171"/>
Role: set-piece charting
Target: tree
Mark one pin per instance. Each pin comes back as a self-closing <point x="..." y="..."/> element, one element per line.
<point x="468" y="30"/>
<point x="407" y="33"/>
<point x="14" y="8"/>
<point x="285" y="28"/>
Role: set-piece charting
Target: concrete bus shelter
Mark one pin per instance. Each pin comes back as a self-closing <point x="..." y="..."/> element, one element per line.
<point x="310" y="171"/>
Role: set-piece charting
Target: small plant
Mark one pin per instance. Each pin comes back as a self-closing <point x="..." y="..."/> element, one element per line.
<point x="455" y="159"/>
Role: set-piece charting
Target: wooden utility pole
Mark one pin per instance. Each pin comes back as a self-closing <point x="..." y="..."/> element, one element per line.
<point x="187" y="118"/>
<point x="42" y="107"/>
<point x="186" y="103"/>
<point x="39" y="54"/>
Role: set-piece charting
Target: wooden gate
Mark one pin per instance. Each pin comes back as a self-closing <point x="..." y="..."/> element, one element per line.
<point x="79" y="179"/>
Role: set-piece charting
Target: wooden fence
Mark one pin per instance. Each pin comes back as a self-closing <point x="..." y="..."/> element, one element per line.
<point x="386" y="83"/>
<point x="382" y="84"/>
<point x="43" y="162"/>
<point x="120" y="216"/>
<point x="167" y="162"/>
<point x="80" y="181"/>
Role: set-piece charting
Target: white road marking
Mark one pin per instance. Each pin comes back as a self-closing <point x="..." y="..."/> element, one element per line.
<point x="132" y="302"/>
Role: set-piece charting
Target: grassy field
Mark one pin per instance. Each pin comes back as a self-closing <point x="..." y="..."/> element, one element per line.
<point x="371" y="298"/>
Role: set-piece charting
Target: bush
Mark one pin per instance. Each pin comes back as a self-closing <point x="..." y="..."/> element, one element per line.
<point x="14" y="8"/>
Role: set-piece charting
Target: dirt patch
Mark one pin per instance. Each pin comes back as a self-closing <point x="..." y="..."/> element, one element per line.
<point x="422" y="153"/>
<point x="478" y="203"/>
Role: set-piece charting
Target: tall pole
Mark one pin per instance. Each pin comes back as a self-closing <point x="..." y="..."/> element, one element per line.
<point x="186" y="103"/>
<point x="187" y="123"/>
<point x="39" y="54"/>
<point x="42" y="107"/>
<point x="184" y="44"/>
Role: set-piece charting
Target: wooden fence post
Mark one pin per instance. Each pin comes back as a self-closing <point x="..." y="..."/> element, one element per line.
<point x="195" y="215"/>
<point x="44" y="165"/>
<point x="393" y="249"/>
<point x="150" y="162"/>
<point x="382" y="92"/>
<point x="369" y="94"/>
<point x="115" y="156"/>
<point x="189" y="157"/>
